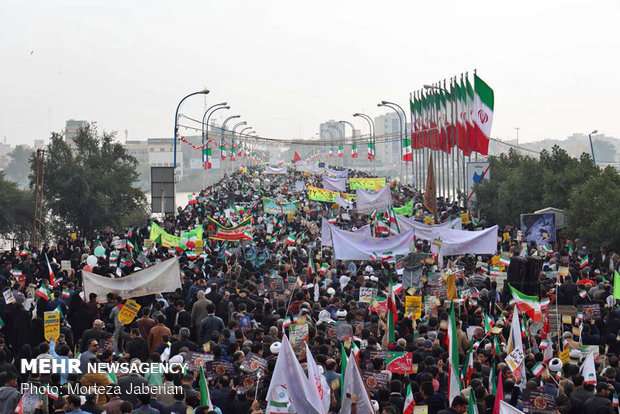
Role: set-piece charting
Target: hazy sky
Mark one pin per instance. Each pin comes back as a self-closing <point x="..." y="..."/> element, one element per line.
<point x="288" y="65"/>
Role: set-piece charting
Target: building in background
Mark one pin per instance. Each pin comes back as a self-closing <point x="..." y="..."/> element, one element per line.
<point x="387" y="130"/>
<point x="138" y="149"/>
<point x="39" y="144"/>
<point x="72" y="127"/>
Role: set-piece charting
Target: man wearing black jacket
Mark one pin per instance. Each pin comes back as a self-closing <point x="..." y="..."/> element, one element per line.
<point x="137" y="347"/>
<point x="183" y="341"/>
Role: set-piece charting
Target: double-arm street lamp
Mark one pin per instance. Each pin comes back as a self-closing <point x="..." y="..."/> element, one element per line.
<point x="176" y="125"/>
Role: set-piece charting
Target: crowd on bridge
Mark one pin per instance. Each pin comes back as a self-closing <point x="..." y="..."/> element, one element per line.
<point x="280" y="296"/>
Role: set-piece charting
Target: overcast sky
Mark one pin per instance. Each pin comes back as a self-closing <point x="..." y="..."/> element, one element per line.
<point x="288" y="65"/>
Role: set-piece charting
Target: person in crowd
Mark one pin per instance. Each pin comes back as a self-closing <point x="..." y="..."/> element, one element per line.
<point x="251" y="274"/>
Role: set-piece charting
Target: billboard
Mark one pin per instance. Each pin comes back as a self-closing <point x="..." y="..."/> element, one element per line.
<point x="539" y="228"/>
<point x="476" y="172"/>
<point x="162" y="189"/>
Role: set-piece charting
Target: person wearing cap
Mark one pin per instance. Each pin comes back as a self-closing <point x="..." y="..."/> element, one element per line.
<point x="600" y="403"/>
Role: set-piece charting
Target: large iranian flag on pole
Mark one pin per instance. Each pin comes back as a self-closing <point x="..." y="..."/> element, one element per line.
<point x="454" y="379"/>
<point x="464" y="142"/>
<point x="443" y="122"/>
<point x="470" y="116"/>
<point x="424" y="120"/>
<point x="483" y="114"/>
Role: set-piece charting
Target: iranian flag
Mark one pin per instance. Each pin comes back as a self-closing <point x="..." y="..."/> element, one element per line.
<point x="44" y="293"/>
<point x="50" y="272"/>
<point x="407" y="153"/>
<point x="340" y="152"/>
<point x="310" y="266"/>
<point x="527" y="304"/>
<point x="492" y="380"/>
<point x="290" y="239"/>
<point x="207" y="158"/>
<point x="488" y="323"/>
<point x="409" y="401"/>
<point x="205" y="396"/>
<point x="538" y="369"/>
<point x="454" y="379"/>
<point x="371" y="151"/>
<point x="232" y="154"/>
<point x="469" y="365"/>
<point x="482" y="115"/>
<point x="392" y="316"/>
<point x="461" y="103"/>
<point x="584" y="262"/>
<point x="331" y="152"/>
<point x="130" y="245"/>
<point x="353" y="151"/>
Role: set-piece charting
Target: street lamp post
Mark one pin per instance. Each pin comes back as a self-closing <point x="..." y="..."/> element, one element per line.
<point x="223" y="152"/>
<point x="591" y="146"/>
<point x="400" y="132"/>
<point x="247" y="134"/>
<point x="205" y="137"/>
<point x="176" y="125"/>
<point x="205" y="127"/>
<point x="233" y="133"/>
<point x="371" y="125"/>
<point x="402" y="137"/>
<point x="341" y="133"/>
<point x="352" y="132"/>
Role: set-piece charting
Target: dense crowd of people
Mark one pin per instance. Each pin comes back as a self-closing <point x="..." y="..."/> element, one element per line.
<point x="238" y="299"/>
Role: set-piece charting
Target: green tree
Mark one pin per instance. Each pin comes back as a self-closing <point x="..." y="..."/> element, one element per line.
<point x="510" y="192"/>
<point x="92" y="185"/>
<point x="19" y="167"/>
<point x="593" y="212"/>
<point x="523" y="184"/>
<point x="16" y="211"/>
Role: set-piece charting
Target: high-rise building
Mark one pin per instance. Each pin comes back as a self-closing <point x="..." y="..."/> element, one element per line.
<point x="387" y="130"/>
<point x="72" y="127"/>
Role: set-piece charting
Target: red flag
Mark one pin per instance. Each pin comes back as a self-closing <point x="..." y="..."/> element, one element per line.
<point x="19" y="409"/>
<point x="50" y="272"/>
<point x="499" y="395"/>
<point x="296" y="157"/>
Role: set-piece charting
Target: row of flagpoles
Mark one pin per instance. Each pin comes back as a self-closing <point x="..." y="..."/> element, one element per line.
<point x="450" y="121"/>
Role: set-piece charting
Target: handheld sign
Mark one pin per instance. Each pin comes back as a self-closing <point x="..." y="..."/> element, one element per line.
<point x="51" y="325"/>
<point x="128" y="312"/>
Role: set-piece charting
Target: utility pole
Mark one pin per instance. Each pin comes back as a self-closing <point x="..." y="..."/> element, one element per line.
<point x="38" y="199"/>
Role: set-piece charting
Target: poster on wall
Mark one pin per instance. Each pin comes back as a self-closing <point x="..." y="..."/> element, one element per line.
<point x="539" y="228"/>
<point x="476" y="172"/>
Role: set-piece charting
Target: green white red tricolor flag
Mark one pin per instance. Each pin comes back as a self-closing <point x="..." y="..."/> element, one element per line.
<point x="51" y="272"/>
<point x="482" y="114"/>
<point x="407" y="152"/>
<point x="409" y="401"/>
<point x="353" y="151"/>
<point x="527" y="304"/>
<point x="44" y="293"/>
